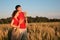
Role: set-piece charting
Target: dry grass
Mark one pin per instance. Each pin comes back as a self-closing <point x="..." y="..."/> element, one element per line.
<point x="44" y="31"/>
<point x="36" y="31"/>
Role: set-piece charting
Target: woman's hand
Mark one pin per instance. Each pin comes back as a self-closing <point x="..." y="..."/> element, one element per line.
<point x="20" y="21"/>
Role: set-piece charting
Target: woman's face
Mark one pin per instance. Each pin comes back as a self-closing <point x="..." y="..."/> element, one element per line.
<point x="19" y="8"/>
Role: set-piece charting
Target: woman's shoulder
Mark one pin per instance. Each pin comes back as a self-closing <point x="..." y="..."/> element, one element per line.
<point x="13" y="18"/>
<point x="23" y="12"/>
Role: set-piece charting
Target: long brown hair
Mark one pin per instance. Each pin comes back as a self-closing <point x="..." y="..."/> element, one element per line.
<point x="14" y="13"/>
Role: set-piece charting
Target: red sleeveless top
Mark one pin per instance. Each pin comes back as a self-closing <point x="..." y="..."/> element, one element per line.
<point x="21" y="16"/>
<point x="15" y="22"/>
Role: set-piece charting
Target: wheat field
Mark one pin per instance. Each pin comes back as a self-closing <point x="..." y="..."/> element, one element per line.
<point x="35" y="31"/>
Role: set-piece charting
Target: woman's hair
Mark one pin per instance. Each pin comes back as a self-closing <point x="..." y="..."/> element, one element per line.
<point x="17" y="6"/>
<point x="15" y="11"/>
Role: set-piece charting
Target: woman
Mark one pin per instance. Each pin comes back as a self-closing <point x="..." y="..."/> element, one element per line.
<point x="19" y="20"/>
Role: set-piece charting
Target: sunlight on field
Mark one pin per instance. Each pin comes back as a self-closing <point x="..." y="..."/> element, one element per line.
<point x="36" y="31"/>
<point x="44" y="31"/>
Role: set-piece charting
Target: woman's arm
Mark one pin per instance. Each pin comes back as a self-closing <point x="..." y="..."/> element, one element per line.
<point x="13" y="20"/>
<point x="25" y="14"/>
<point x="20" y="21"/>
<point x="26" y="21"/>
<point x="12" y="24"/>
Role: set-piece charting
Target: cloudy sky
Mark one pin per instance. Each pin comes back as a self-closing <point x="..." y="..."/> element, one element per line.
<point x="44" y="8"/>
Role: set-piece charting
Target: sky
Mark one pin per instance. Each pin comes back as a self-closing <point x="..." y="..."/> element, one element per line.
<point x="41" y="8"/>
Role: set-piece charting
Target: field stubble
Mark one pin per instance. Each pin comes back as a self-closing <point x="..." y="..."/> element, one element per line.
<point x="35" y="31"/>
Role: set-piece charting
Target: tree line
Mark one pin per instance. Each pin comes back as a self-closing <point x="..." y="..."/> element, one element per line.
<point x="30" y="20"/>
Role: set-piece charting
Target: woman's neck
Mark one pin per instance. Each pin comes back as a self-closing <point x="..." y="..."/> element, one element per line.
<point x="19" y="11"/>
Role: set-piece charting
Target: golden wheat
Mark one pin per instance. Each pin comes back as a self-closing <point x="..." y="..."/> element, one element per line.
<point x="36" y="31"/>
